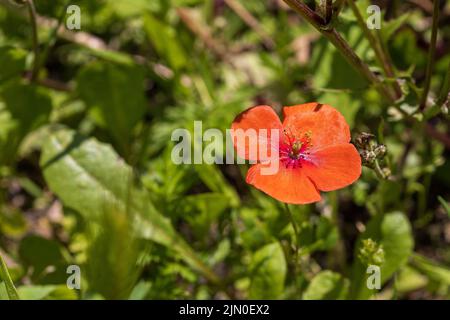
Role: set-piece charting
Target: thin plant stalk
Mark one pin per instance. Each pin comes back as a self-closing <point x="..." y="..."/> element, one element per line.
<point x="431" y="54"/>
<point x="339" y="250"/>
<point x="376" y="43"/>
<point x="33" y="19"/>
<point x="294" y="225"/>
<point x="53" y="36"/>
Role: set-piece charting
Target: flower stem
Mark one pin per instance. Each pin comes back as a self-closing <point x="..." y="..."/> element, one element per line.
<point x="431" y="54"/>
<point x="339" y="254"/>
<point x="33" y="19"/>
<point x="336" y="39"/>
<point x="294" y="225"/>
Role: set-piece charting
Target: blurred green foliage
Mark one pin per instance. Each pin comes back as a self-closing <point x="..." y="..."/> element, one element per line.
<point x="86" y="176"/>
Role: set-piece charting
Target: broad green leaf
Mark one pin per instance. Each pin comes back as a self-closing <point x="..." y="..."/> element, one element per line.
<point x="393" y="232"/>
<point x="268" y="272"/>
<point x="327" y="285"/>
<point x="140" y="291"/>
<point x="5" y="279"/>
<point x="13" y="62"/>
<point x="115" y="95"/>
<point x="111" y="267"/>
<point x="86" y="175"/>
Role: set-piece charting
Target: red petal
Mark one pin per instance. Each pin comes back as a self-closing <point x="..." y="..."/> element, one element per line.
<point x="287" y="185"/>
<point x="327" y="125"/>
<point x="334" y="167"/>
<point x="256" y="118"/>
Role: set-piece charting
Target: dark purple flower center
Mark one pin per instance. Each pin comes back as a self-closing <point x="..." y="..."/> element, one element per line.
<point x="294" y="149"/>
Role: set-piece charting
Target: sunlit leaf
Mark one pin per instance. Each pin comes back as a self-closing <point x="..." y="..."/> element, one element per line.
<point x="87" y="175"/>
<point x="327" y="285"/>
<point x="13" y="62"/>
<point x="268" y="272"/>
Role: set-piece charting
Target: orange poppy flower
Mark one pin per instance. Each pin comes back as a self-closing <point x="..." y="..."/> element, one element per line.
<point x="314" y="151"/>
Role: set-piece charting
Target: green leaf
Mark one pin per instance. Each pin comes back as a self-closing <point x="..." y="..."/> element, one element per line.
<point x="48" y="292"/>
<point x="327" y="285"/>
<point x="393" y="232"/>
<point x="391" y="26"/>
<point x="13" y="62"/>
<point x="115" y="95"/>
<point x="268" y="272"/>
<point x="12" y="222"/>
<point x="202" y="210"/>
<point x="38" y="253"/>
<point x="86" y="175"/>
<point x="5" y="278"/>
<point x="111" y="267"/>
<point x="329" y="67"/>
<point x="28" y="104"/>
<point x="318" y="234"/>
<point x="26" y="107"/>
<point x="80" y="171"/>
<point x="434" y="271"/>
<point x="409" y="280"/>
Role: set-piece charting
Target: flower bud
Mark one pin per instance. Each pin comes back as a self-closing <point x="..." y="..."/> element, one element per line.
<point x="380" y="151"/>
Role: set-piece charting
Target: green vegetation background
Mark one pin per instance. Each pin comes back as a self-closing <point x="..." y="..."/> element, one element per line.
<point x="86" y="176"/>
